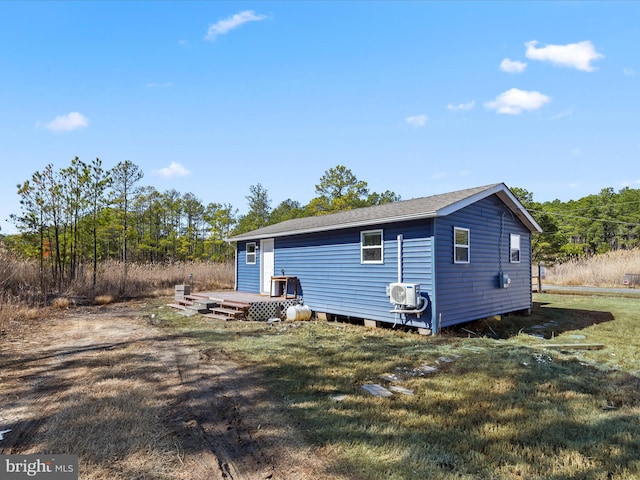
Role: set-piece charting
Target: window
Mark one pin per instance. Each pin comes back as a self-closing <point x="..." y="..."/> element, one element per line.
<point x="514" y="248"/>
<point x="371" y="247"/>
<point x="460" y="245"/>
<point x="251" y="253"/>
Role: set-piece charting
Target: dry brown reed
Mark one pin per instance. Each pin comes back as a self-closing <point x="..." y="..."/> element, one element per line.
<point x="20" y="280"/>
<point x="23" y="289"/>
<point x="604" y="270"/>
<point x="152" y="280"/>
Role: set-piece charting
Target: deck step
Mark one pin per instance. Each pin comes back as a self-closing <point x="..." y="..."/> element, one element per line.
<point x="182" y="301"/>
<point x="234" y="304"/>
<point x="229" y="312"/>
<point x="196" y="307"/>
<point x="197" y="296"/>
<point x="206" y="304"/>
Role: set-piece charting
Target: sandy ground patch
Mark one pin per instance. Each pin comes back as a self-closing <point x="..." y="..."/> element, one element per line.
<point x="136" y="402"/>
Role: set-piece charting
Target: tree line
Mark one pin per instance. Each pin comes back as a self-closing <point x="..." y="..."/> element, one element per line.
<point x="84" y="214"/>
<point x="594" y="224"/>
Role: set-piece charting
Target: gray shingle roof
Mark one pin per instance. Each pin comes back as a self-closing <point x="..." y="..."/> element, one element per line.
<point x="417" y="208"/>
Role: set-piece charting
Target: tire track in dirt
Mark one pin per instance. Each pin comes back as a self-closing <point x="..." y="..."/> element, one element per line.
<point x="24" y="425"/>
<point x="215" y="405"/>
<point x="210" y="409"/>
<point x="51" y="365"/>
<point x="33" y="401"/>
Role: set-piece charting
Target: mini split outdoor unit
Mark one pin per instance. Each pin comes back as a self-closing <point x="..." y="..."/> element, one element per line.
<point x="407" y="294"/>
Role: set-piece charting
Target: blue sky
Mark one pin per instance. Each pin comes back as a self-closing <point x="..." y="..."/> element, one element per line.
<point x="415" y="97"/>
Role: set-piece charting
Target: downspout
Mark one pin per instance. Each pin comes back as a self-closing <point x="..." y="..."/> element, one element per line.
<point x="399" y="238"/>
<point x="235" y="266"/>
<point x="436" y="318"/>
<point x="396" y="314"/>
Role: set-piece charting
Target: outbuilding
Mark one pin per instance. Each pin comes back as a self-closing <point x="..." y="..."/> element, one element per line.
<point x="428" y="262"/>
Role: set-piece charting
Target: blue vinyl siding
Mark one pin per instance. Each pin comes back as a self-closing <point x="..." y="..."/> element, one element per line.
<point x="471" y="291"/>
<point x="248" y="274"/>
<point x="332" y="279"/>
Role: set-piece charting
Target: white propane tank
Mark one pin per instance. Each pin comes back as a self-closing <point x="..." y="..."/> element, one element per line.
<point x="298" y="312"/>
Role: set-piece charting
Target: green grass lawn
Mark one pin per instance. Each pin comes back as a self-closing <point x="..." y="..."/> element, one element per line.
<point x="489" y="400"/>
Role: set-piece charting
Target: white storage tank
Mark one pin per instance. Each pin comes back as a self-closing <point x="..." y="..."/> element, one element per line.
<point x="298" y="312"/>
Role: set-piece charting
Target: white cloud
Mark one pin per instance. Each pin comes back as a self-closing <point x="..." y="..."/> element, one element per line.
<point x="514" y="101"/>
<point x="512" y="66"/>
<point x="461" y="106"/>
<point x="66" y="123"/>
<point x="173" y="170"/>
<point x="629" y="72"/>
<point x="574" y="55"/>
<point x="416" y="120"/>
<point x="575" y="152"/>
<point x="439" y="175"/>
<point x="225" y="26"/>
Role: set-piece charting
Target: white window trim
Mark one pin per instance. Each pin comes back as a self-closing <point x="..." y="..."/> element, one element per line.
<point x="460" y="245"/>
<point x="254" y="253"/>
<point x="363" y="248"/>
<point x="512" y="237"/>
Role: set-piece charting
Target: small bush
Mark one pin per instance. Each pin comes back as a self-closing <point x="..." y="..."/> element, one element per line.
<point x="103" y="300"/>
<point x="60" y="303"/>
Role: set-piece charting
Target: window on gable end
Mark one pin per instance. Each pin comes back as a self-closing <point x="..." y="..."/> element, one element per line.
<point x="514" y="248"/>
<point x="461" y="245"/>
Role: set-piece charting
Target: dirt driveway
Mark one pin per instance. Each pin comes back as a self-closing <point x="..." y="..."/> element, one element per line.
<point x="135" y="402"/>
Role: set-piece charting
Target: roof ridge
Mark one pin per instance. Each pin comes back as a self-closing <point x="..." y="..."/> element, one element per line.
<point x="412" y="209"/>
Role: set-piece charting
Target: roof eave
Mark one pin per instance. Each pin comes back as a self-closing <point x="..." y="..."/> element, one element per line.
<point x="504" y="194"/>
<point x="341" y="226"/>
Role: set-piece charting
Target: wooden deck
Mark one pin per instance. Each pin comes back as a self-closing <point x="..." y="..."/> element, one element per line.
<point x="233" y="305"/>
<point x="240" y="297"/>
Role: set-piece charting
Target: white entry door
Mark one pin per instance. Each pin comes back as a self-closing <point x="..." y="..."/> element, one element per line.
<point x="267" y="262"/>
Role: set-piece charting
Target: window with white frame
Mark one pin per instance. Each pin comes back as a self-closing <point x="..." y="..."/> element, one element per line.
<point x="371" y="247"/>
<point x="514" y="248"/>
<point x="461" y="245"/>
<point x="251" y="253"/>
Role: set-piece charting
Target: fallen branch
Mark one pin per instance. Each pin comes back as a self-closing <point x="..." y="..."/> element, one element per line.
<point x="575" y="346"/>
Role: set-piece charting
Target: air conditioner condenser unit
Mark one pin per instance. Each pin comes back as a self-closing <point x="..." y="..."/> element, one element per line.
<point x="406" y="294"/>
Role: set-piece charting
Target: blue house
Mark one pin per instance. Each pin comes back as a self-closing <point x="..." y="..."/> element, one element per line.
<point x="428" y="262"/>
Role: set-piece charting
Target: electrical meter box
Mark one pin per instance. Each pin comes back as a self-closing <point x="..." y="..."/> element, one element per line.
<point x="503" y="280"/>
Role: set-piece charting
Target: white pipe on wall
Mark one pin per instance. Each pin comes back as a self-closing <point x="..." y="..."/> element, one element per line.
<point x="399" y="238"/>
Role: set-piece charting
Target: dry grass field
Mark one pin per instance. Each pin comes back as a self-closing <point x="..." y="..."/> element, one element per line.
<point x="139" y="391"/>
<point x="605" y="270"/>
<point x="494" y="400"/>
